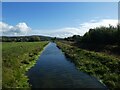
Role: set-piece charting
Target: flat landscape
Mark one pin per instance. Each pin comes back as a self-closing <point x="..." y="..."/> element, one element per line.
<point x="60" y="45"/>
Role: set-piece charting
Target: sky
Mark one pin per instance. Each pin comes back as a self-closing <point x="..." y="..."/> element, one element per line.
<point x="61" y="0"/>
<point x="56" y="19"/>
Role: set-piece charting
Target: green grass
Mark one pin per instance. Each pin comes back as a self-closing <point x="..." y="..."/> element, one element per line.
<point x="17" y="58"/>
<point x="104" y="67"/>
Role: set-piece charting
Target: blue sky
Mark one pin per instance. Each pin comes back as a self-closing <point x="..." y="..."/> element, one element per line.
<point x="44" y="17"/>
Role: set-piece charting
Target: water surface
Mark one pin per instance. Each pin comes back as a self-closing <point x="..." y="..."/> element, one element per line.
<point x="54" y="70"/>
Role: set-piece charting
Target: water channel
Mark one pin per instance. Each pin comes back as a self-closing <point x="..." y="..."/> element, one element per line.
<point x="54" y="70"/>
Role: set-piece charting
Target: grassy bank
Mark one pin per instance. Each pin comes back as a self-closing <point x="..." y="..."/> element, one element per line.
<point x="17" y="58"/>
<point x="104" y="67"/>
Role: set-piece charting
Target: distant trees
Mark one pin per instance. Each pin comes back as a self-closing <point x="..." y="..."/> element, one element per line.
<point x="20" y="39"/>
<point x="99" y="35"/>
<point x="53" y="39"/>
<point x="34" y="38"/>
<point x="75" y="38"/>
<point x="102" y="35"/>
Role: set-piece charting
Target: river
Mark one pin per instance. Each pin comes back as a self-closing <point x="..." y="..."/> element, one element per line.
<point x="54" y="70"/>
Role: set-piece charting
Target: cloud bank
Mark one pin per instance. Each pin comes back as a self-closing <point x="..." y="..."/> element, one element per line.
<point x="19" y="29"/>
<point x="80" y="30"/>
<point x="23" y="29"/>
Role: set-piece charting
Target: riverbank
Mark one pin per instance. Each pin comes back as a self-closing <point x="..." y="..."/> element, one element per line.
<point x="102" y="66"/>
<point x="17" y="58"/>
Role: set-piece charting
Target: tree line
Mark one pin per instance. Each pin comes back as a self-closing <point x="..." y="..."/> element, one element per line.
<point x="24" y="38"/>
<point x="98" y="35"/>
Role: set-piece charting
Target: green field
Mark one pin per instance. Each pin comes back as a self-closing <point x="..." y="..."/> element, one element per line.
<point x="104" y="67"/>
<point x="17" y="58"/>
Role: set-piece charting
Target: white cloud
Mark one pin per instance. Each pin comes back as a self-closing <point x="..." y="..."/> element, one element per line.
<point x="23" y="29"/>
<point x="81" y="30"/>
<point x="63" y="32"/>
<point x="19" y="29"/>
<point x="84" y="27"/>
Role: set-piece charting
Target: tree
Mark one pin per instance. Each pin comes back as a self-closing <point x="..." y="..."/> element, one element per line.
<point x="34" y="38"/>
<point x="53" y="39"/>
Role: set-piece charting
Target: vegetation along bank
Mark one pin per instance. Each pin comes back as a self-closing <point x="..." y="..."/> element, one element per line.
<point x="102" y="66"/>
<point x="17" y="58"/>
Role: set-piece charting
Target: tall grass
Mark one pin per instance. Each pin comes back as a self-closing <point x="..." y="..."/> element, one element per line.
<point x="104" y="67"/>
<point x="17" y="58"/>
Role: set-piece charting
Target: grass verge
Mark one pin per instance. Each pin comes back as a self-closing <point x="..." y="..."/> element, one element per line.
<point x="17" y="58"/>
<point x="102" y="66"/>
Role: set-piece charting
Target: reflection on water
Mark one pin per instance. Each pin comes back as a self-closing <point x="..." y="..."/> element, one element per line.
<point x="53" y="70"/>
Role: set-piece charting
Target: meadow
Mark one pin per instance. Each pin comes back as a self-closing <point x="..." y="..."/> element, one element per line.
<point x="17" y="58"/>
<point x="105" y="68"/>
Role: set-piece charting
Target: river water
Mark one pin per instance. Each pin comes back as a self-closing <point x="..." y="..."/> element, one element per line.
<point x="54" y="70"/>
